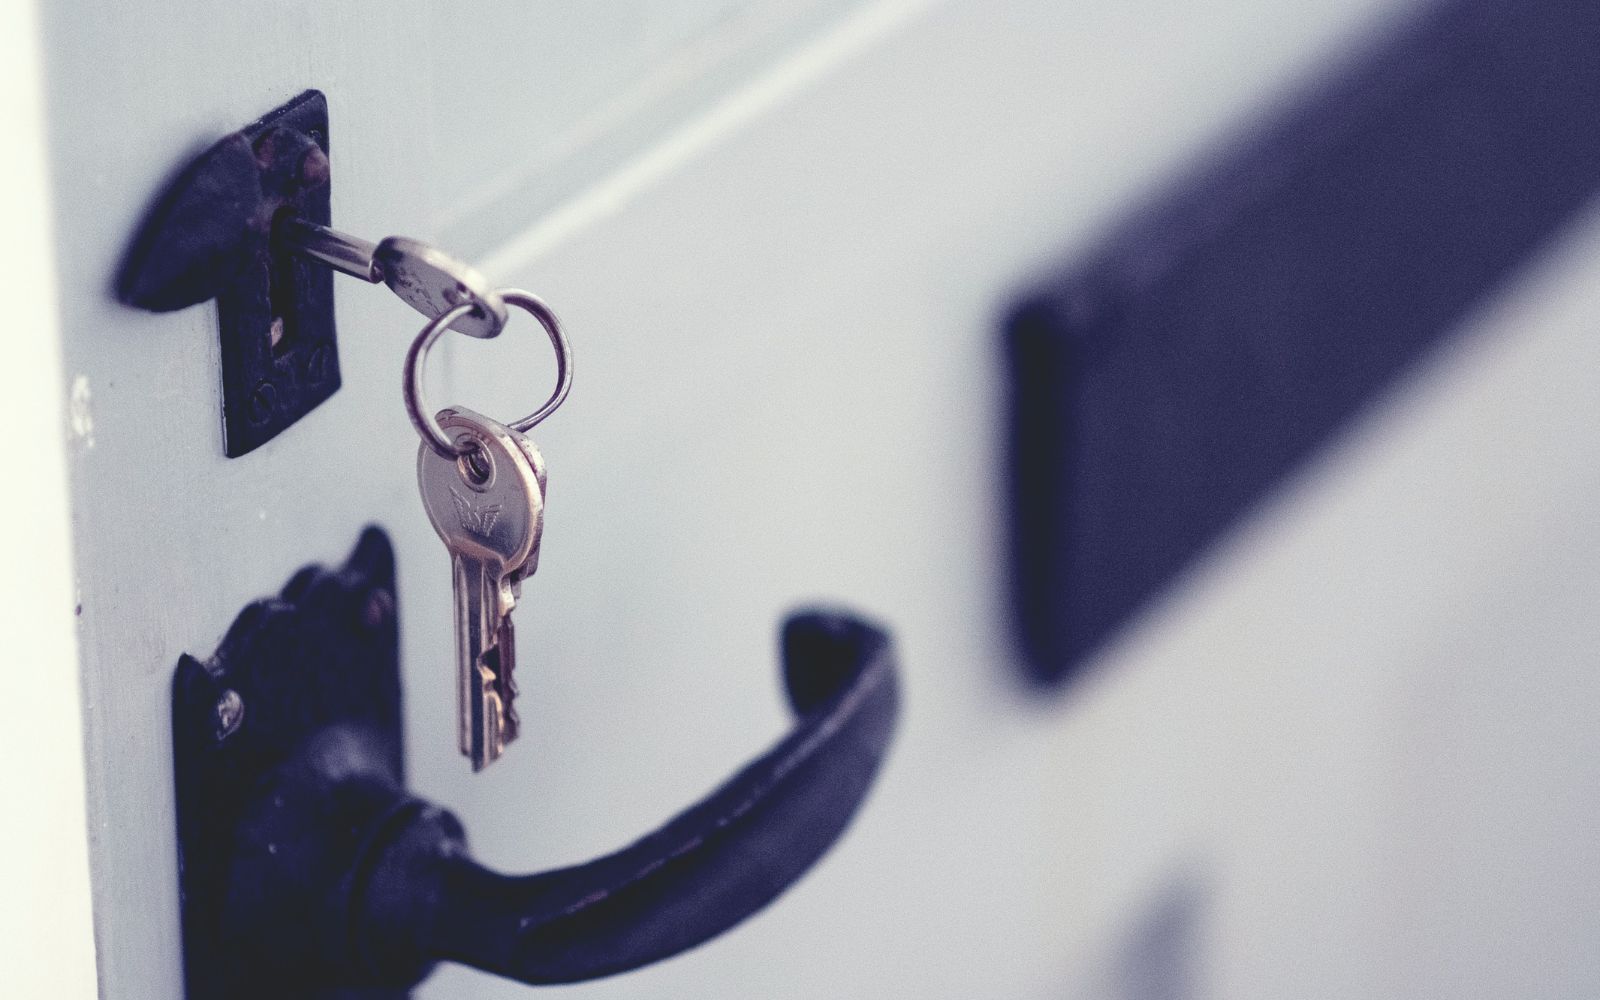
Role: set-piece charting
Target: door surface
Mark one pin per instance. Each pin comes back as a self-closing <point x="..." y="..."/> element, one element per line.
<point x="781" y="235"/>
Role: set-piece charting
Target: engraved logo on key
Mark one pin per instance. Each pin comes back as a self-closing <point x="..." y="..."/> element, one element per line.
<point x="476" y="519"/>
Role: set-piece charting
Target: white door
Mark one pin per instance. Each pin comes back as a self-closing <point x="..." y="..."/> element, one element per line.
<point x="780" y="234"/>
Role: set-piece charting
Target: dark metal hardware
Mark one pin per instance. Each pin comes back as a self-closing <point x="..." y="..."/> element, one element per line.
<point x="1164" y="387"/>
<point x="308" y="871"/>
<point x="210" y="236"/>
<point x="247" y="224"/>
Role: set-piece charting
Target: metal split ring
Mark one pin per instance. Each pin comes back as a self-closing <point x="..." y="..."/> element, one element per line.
<point x="421" y="414"/>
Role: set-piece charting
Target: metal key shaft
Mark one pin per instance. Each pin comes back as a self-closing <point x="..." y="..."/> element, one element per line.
<point x="425" y="277"/>
<point x="488" y="507"/>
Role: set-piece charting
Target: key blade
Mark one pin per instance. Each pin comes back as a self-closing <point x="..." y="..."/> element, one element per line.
<point x="486" y="653"/>
<point x="489" y="722"/>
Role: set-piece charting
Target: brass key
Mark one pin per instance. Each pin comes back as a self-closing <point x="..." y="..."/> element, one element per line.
<point x="488" y="507"/>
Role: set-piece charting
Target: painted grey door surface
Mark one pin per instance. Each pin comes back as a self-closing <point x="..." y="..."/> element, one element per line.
<point x="781" y="234"/>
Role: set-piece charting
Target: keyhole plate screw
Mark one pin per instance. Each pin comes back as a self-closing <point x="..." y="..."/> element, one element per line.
<point x="229" y="714"/>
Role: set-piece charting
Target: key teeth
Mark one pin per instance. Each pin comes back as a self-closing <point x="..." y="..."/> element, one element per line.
<point x="492" y="720"/>
<point x="497" y="725"/>
<point x="506" y="680"/>
<point x="510" y="722"/>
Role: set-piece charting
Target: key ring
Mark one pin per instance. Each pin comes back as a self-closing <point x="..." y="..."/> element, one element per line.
<point x="422" y="415"/>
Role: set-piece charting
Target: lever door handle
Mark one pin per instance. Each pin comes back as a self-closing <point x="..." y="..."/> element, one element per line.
<point x="702" y="872"/>
<point x="307" y="867"/>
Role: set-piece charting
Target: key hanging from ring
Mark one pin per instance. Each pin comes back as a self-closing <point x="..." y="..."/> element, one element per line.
<point x="483" y="487"/>
<point x="482" y="482"/>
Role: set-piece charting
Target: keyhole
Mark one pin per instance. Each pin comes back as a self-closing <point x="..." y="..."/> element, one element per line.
<point x="283" y="285"/>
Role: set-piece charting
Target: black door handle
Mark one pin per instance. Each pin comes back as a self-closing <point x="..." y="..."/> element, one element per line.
<point x="308" y="868"/>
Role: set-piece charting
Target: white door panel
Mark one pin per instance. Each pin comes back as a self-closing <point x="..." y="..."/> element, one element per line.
<point x="780" y="236"/>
